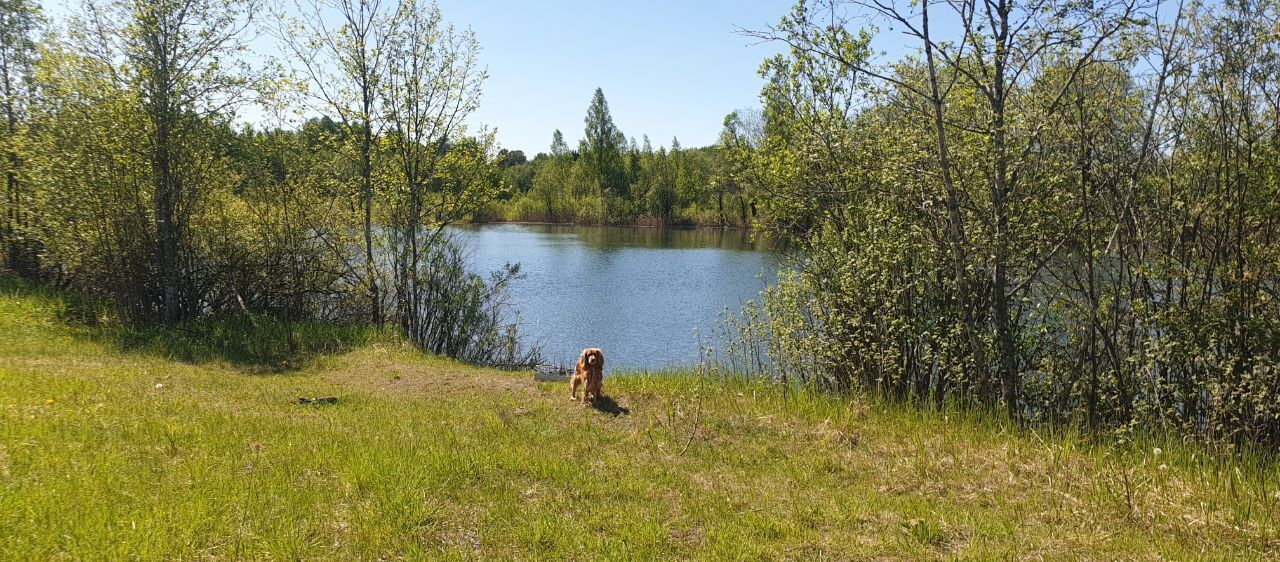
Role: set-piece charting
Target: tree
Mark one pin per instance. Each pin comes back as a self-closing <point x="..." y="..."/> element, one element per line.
<point x="662" y="192"/>
<point x="19" y="21"/>
<point x="432" y="84"/>
<point x="558" y="146"/>
<point x="344" y="68"/>
<point x="178" y="57"/>
<point x="999" y="48"/>
<point x="740" y="137"/>
<point x="510" y="158"/>
<point x="602" y="147"/>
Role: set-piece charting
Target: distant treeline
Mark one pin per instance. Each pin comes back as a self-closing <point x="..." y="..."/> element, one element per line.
<point x="610" y="179"/>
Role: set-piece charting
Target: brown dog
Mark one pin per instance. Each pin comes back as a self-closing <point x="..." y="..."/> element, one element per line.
<point x="588" y="372"/>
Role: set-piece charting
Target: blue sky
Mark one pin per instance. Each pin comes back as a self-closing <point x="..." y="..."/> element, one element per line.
<point x="668" y="68"/>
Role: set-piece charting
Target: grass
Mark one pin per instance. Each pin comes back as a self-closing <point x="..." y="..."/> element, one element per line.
<point x="117" y="451"/>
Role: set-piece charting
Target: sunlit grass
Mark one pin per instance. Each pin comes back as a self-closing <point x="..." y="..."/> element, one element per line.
<point x="116" y="451"/>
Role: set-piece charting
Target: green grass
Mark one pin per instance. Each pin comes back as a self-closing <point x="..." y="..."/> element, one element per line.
<point x="113" y="450"/>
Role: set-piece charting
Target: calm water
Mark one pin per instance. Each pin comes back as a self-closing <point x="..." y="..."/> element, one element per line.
<point x="637" y="293"/>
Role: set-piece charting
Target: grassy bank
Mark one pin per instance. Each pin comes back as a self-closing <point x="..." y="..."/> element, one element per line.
<point x="112" y="450"/>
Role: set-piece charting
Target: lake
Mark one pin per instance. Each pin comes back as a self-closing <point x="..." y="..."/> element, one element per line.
<point x="637" y="293"/>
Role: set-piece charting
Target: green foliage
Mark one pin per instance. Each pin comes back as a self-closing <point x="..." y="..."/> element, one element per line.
<point x="601" y="148"/>
<point x="1063" y="236"/>
<point x="136" y="188"/>
<point x="618" y="182"/>
<point x="20" y="249"/>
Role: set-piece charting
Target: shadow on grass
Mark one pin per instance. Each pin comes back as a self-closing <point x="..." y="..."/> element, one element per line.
<point x="256" y="342"/>
<point x="609" y="406"/>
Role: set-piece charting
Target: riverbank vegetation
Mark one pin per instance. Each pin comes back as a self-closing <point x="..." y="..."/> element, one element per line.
<point x="1064" y="211"/>
<point x="146" y="444"/>
<point x="128" y="177"/>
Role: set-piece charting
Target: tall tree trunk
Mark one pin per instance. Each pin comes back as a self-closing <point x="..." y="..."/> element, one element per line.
<point x="967" y="297"/>
<point x="21" y="254"/>
<point x="366" y="178"/>
<point x="720" y="206"/>
<point x="1006" y="362"/>
<point x="167" y="189"/>
<point x="166" y="221"/>
<point x="8" y="235"/>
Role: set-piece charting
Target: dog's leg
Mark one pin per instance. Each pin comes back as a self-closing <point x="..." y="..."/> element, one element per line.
<point x="593" y="385"/>
<point x="573" y="387"/>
